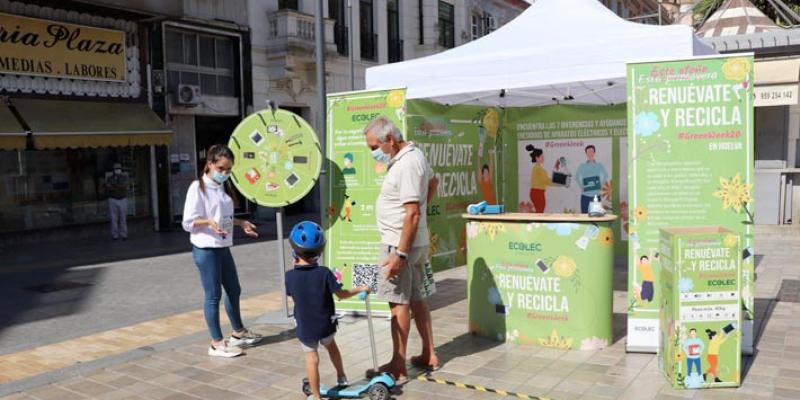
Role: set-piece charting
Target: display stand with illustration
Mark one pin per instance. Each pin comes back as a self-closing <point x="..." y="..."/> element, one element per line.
<point x="278" y="161"/>
<point x="691" y="164"/>
<point x="541" y="279"/>
<point x="701" y="309"/>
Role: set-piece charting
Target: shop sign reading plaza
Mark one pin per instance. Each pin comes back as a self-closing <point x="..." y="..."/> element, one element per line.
<point x="31" y="46"/>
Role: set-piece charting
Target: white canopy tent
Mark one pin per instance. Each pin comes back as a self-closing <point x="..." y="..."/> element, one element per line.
<point x="557" y="51"/>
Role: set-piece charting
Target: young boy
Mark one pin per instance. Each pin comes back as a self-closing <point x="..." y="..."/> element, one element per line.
<point x="312" y="287"/>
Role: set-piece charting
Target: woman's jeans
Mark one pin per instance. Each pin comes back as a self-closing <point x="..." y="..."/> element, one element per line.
<point x="217" y="271"/>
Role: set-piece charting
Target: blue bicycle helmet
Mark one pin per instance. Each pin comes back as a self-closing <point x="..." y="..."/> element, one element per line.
<point x="307" y="239"/>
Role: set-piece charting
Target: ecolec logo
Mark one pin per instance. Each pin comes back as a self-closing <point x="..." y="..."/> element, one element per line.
<point x="528" y="247"/>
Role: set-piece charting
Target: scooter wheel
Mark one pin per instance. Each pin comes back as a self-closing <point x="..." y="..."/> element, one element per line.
<point x="306" y="387"/>
<point x="378" y="391"/>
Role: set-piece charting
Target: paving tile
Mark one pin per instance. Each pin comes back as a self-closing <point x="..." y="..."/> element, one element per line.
<point x="197" y="374"/>
<point x="182" y="396"/>
<point x="88" y="387"/>
<point x="115" y="395"/>
<point x="781" y="393"/>
<point x="561" y="395"/>
<point x="138" y="372"/>
<point x="210" y="392"/>
<point x="275" y="370"/>
<point x="607" y="391"/>
<point x="52" y="392"/>
<point x="573" y="387"/>
<point x="18" y="396"/>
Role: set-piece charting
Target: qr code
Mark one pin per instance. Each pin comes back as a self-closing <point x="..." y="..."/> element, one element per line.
<point x="366" y="274"/>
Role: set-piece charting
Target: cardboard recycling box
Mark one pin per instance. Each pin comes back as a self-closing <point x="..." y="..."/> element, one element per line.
<point x="700" y="338"/>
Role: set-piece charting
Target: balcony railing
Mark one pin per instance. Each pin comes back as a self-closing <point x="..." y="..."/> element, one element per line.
<point x="395" y="50"/>
<point x="295" y="30"/>
<point x="369" y="46"/>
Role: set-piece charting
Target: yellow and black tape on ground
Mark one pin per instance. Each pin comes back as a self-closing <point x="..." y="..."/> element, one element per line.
<point x="480" y="388"/>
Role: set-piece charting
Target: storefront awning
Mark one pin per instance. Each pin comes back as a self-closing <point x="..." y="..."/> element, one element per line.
<point x="12" y="136"/>
<point x="777" y="71"/>
<point x="80" y="124"/>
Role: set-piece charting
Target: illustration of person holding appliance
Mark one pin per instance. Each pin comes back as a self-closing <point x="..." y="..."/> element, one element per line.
<point x="693" y="347"/>
<point x="591" y="177"/>
<point x="540" y="179"/>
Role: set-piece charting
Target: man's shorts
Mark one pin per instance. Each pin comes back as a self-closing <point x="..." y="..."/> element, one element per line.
<point x="406" y="286"/>
<point x="312" y="347"/>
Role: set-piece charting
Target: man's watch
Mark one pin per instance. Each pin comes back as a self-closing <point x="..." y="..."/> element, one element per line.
<point x="401" y="254"/>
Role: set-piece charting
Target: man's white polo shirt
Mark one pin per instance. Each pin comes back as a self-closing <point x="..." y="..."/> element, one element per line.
<point x="405" y="182"/>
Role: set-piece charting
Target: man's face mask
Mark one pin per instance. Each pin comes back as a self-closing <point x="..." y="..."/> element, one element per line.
<point x="380" y="156"/>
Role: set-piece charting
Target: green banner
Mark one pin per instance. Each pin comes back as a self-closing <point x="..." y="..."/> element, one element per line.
<point x="547" y="284"/>
<point x="691" y="164"/>
<point x="567" y="177"/>
<point x="460" y="143"/>
<point x="700" y="320"/>
<point x="354" y="180"/>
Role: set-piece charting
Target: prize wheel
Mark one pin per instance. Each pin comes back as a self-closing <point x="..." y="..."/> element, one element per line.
<point x="278" y="158"/>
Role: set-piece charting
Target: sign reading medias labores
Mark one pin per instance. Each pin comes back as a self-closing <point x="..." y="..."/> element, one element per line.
<point x="690" y="149"/>
<point x="31" y="46"/>
<point x="701" y="317"/>
<point x="546" y="284"/>
<point x="278" y="158"/>
<point x="354" y="182"/>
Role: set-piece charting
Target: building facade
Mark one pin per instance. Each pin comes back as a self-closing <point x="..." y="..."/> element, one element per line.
<point x="654" y="12"/>
<point x="88" y="84"/>
<point x="181" y="77"/>
<point x="383" y="31"/>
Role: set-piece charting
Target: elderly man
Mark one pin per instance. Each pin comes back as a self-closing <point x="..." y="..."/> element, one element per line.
<point x="408" y="187"/>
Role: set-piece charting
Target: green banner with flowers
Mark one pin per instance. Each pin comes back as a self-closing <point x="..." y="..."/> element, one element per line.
<point x="700" y="320"/>
<point x="690" y="158"/>
<point x="461" y="145"/>
<point x="546" y="284"/>
<point x="354" y="180"/>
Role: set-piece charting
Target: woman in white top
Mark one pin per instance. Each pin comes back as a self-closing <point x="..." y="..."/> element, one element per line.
<point x="208" y="217"/>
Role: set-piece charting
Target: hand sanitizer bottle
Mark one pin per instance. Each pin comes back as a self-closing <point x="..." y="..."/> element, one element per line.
<point x="596" y="208"/>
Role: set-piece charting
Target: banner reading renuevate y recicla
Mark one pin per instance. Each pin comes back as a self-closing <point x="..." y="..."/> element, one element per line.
<point x="690" y="158"/>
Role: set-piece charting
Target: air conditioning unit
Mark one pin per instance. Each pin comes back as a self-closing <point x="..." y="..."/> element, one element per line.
<point x="189" y="95"/>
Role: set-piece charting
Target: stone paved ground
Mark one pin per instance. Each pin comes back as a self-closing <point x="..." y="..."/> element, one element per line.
<point x="274" y="370"/>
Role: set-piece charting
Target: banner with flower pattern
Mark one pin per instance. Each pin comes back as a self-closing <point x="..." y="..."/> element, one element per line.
<point x="353" y="182"/>
<point x="545" y="284"/>
<point x="700" y="319"/>
<point x="461" y="144"/>
<point x="690" y="158"/>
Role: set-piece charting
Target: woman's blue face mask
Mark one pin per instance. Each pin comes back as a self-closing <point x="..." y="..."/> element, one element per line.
<point x="219" y="177"/>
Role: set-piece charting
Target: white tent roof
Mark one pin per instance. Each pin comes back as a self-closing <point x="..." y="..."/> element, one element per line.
<point x="555" y="49"/>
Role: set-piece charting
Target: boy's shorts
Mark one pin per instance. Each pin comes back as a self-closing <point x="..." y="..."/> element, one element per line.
<point x="406" y="286"/>
<point x="312" y="347"/>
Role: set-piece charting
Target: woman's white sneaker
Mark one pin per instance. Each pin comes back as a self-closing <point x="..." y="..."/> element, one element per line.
<point x="226" y="350"/>
<point x="246" y="338"/>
